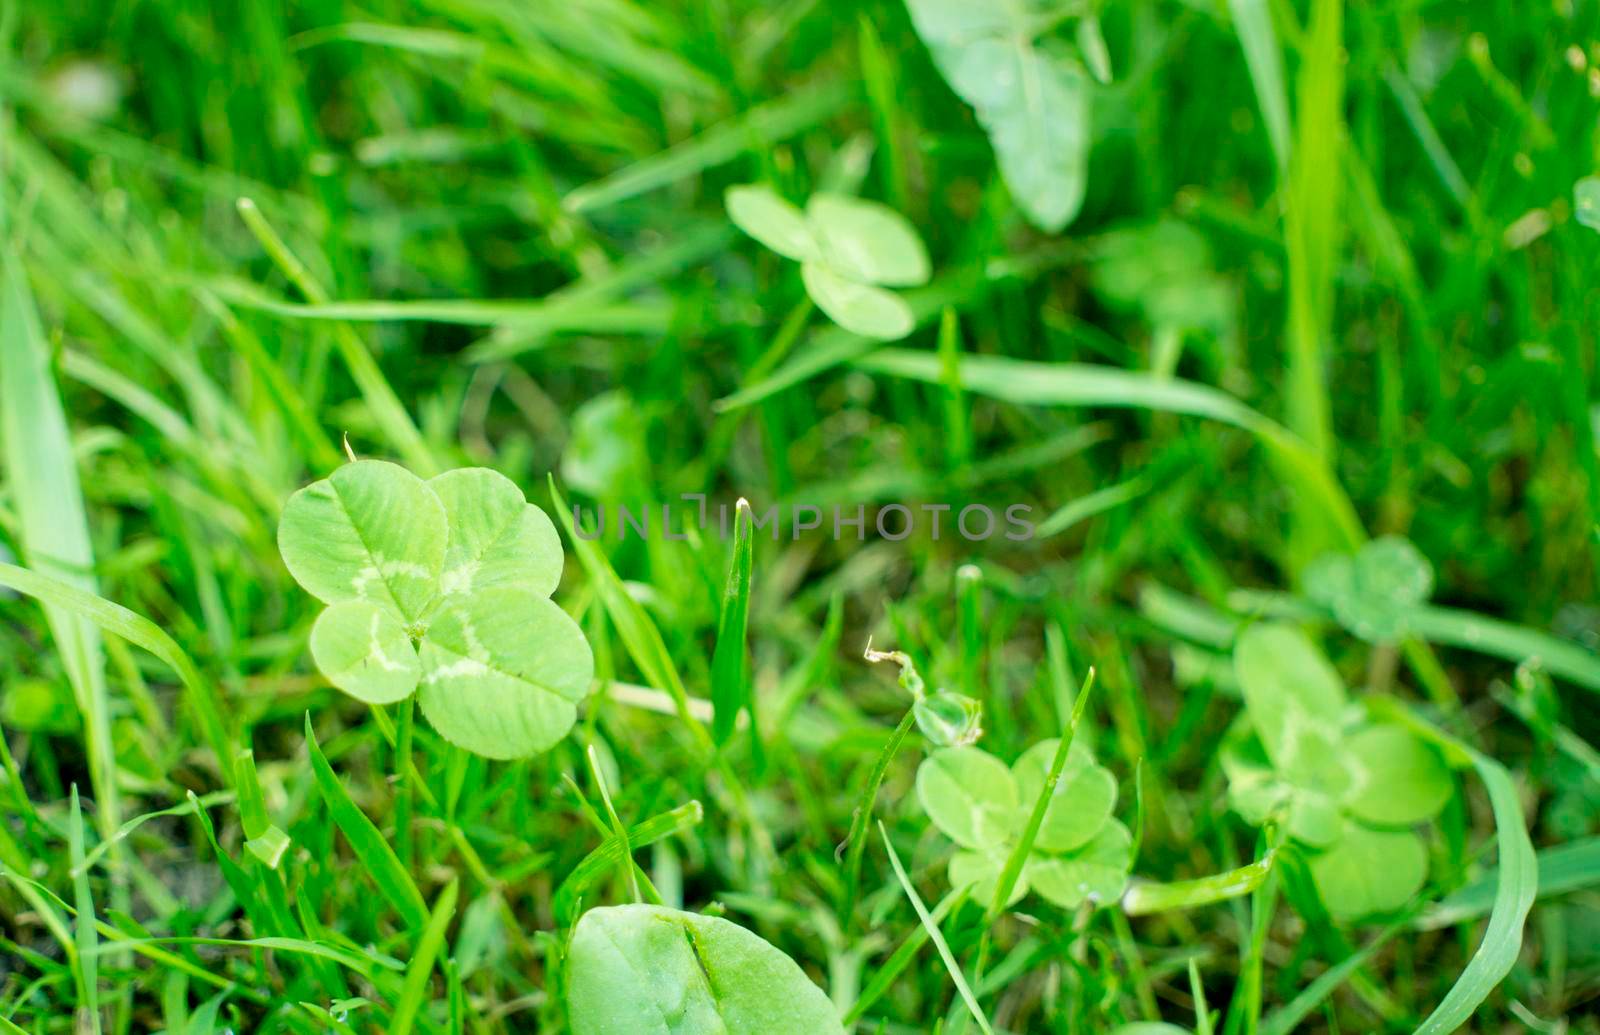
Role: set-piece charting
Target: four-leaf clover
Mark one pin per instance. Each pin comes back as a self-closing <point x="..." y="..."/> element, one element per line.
<point x="1346" y="788"/>
<point x="1080" y="852"/>
<point x="444" y="584"/>
<point x="849" y="250"/>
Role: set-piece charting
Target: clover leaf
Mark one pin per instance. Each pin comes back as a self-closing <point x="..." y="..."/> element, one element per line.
<point x="849" y="250"/>
<point x="445" y="585"/>
<point x="651" y="970"/>
<point x="1347" y="789"/>
<point x="1373" y="592"/>
<point x="1080" y="853"/>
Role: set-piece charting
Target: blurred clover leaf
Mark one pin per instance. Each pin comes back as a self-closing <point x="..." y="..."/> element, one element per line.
<point x="650" y="969"/>
<point x="1373" y="592"/>
<point x="849" y="250"/>
<point x="442" y="584"/>
<point x="1080" y="852"/>
<point x="1031" y="98"/>
<point x="1347" y="788"/>
<point x="1586" y="201"/>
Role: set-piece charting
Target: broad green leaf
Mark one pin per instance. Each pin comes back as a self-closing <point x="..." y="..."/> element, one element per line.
<point x="496" y="537"/>
<point x="1290" y="690"/>
<point x="1369" y="871"/>
<point x="866" y="310"/>
<point x="981" y="870"/>
<point x="867" y="242"/>
<point x="970" y="795"/>
<point x="1097" y="872"/>
<point x="1084" y="795"/>
<point x="1400" y="780"/>
<point x="1586" y="201"/>
<point x="364" y="651"/>
<point x="762" y="213"/>
<point x="370" y="531"/>
<point x="1033" y="102"/>
<point x="503" y="670"/>
<point x="650" y="970"/>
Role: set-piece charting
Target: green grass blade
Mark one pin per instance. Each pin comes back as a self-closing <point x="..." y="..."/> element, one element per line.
<point x="1514" y="643"/>
<point x="1041" y="805"/>
<point x="639" y="633"/>
<point x="1252" y="22"/>
<point x="861" y="817"/>
<point x="116" y="619"/>
<point x="372" y="850"/>
<point x="761" y="126"/>
<point x="1076" y="384"/>
<point x="1085" y="507"/>
<point x="932" y="927"/>
<point x="420" y="971"/>
<point x="83" y="924"/>
<point x="597" y="863"/>
<point x="42" y="473"/>
<point x="1517" y="885"/>
<point x="1562" y="869"/>
<point x="730" y="667"/>
<point x="387" y="410"/>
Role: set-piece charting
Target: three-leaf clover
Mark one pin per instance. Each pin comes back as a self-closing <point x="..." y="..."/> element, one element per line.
<point x="1347" y="788"/>
<point x="1080" y="852"/>
<point x="1373" y="592"/>
<point x="849" y="250"/>
<point x="444" y="584"/>
<point x="657" y="971"/>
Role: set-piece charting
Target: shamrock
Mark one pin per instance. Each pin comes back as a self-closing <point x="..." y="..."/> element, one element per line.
<point x="1347" y="788"/>
<point x="444" y="584"/>
<point x="1080" y="852"/>
<point x="848" y="250"/>
<point x="1374" y="592"/>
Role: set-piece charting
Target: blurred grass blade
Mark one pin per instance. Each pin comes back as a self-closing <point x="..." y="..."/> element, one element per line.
<point x="1085" y="507"/>
<point x="387" y="410"/>
<point x="83" y="923"/>
<point x="372" y="850"/>
<point x="1563" y="868"/>
<point x="730" y="667"/>
<point x="42" y="473"/>
<point x="861" y="816"/>
<point x="1287" y="1018"/>
<point x="1514" y="643"/>
<point x="116" y="619"/>
<point x="1077" y="384"/>
<point x="761" y="126"/>
<point x="1252" y="21"/>
<point x="639" y="634"/>
<point x="419" y="972"/>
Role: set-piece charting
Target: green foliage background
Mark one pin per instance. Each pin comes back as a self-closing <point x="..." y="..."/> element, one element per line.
<point x="500" y="240"/>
